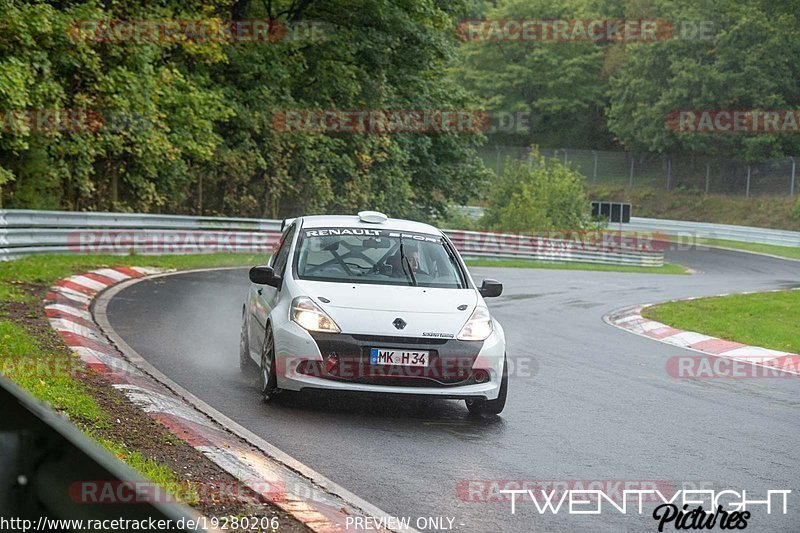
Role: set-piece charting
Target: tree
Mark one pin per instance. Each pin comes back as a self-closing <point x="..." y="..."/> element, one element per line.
<point x="188" y="126"/>
<point x="560" y="86"/>
<point x="751" y="61"/>
<point x="537" y="195"/>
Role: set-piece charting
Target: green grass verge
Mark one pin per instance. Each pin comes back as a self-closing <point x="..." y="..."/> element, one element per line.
<point x="667" y="268"/>
<point x="765" y="319"/>
<point x="45" y="374"/>
<point x="51" y="268"/>
<point x="54" y="383"/>
<point x="22" y="349"/>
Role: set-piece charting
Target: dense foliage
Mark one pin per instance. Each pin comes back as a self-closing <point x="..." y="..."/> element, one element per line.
<point x="721" y="54"/>
<point x="186" y="125"/>
<point x="538" y="194"/>
<point x="751" y="61"/>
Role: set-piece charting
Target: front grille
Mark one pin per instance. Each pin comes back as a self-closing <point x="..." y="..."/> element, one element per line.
<point x="451" y="360"/>
<point x="400" y="340"/>
<point x="407" y="382"/>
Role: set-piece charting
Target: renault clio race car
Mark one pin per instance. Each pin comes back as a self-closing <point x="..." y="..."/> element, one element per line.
<point x="372" y="304"/>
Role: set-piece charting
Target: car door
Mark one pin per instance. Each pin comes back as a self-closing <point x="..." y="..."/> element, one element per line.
<point x="263" y="297"/>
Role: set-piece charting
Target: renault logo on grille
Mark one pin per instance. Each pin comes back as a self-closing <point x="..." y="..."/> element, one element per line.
<point x="399" y="323"/>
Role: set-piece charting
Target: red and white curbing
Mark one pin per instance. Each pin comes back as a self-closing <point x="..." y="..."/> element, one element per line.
<point x="631" y="319"/>
<point x="68" y="307"/>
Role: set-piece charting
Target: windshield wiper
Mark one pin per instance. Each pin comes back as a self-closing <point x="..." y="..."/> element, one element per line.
<point x="405" y="262"/>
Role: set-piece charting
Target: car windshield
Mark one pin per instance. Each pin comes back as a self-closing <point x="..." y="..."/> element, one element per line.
<point x="387" y="257"/>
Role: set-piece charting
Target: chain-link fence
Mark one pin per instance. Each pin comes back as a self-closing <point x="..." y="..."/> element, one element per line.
<point x="702" y="174"/>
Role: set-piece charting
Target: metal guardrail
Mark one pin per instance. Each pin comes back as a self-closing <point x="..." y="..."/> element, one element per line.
<point x="597" y="248"/>
<point x="27" y="232"/>
<point x="25" y="218"/>
<point x="47" y="465"/>
<point x="726" y="232"/>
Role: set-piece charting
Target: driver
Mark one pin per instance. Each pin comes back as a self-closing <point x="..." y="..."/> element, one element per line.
<point x="411" y="254"/>
<point x="413" y="259"/>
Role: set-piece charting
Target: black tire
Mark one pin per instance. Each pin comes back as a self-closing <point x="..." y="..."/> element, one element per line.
<point x="480" y="406"/>
<point x="267" y="374"/>
<point x="246" y="365"/>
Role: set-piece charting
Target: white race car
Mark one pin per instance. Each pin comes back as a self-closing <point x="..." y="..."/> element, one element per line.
<point x="372" y="304"/>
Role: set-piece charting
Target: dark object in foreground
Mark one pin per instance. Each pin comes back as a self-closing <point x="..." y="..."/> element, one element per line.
<point x="43" y="458"/>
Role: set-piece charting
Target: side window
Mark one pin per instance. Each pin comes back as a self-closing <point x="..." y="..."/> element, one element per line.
<point x="282" y="254"/>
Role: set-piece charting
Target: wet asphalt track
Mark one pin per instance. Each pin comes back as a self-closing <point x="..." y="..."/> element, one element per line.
<point x="597" y="406"/>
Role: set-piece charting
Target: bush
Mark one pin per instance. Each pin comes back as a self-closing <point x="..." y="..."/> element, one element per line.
<point x="537" y="195"/>
<point x="456" y="219"/>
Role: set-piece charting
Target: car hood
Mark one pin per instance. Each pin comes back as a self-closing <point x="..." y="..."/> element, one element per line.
<point x="371" y="309"/>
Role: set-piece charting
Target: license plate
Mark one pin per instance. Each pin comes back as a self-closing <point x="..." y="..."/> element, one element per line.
<point x="381" y="356"/>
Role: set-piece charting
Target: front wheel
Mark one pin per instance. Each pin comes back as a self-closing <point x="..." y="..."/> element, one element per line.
<point x="480" y="406"/>
<point x="268" y="377"/>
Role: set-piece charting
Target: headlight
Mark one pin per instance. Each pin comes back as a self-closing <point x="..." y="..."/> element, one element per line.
<point x="309" y="316"/>
<point x="478" y="327"/>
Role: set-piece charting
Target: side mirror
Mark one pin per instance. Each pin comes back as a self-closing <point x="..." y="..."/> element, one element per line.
<point x="264" y="275"/>
<point x="491" y="288"/>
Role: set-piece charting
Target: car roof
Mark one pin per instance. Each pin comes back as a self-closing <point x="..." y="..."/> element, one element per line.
<point x="352" y="221"/>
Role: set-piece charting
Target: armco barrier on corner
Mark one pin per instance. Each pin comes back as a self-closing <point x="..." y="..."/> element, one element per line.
<point x="28" y="232"/>
<point x="710" y="230"/>
<point x="42" y="456"/>
<point x="687" y="228"/>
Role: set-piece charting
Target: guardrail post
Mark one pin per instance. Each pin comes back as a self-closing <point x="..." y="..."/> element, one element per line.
<point x="708" y="175"/>
<point x="748" y="181"/>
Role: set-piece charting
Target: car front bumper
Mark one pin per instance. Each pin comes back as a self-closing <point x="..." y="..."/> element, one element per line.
<point x="302" y="357"/>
